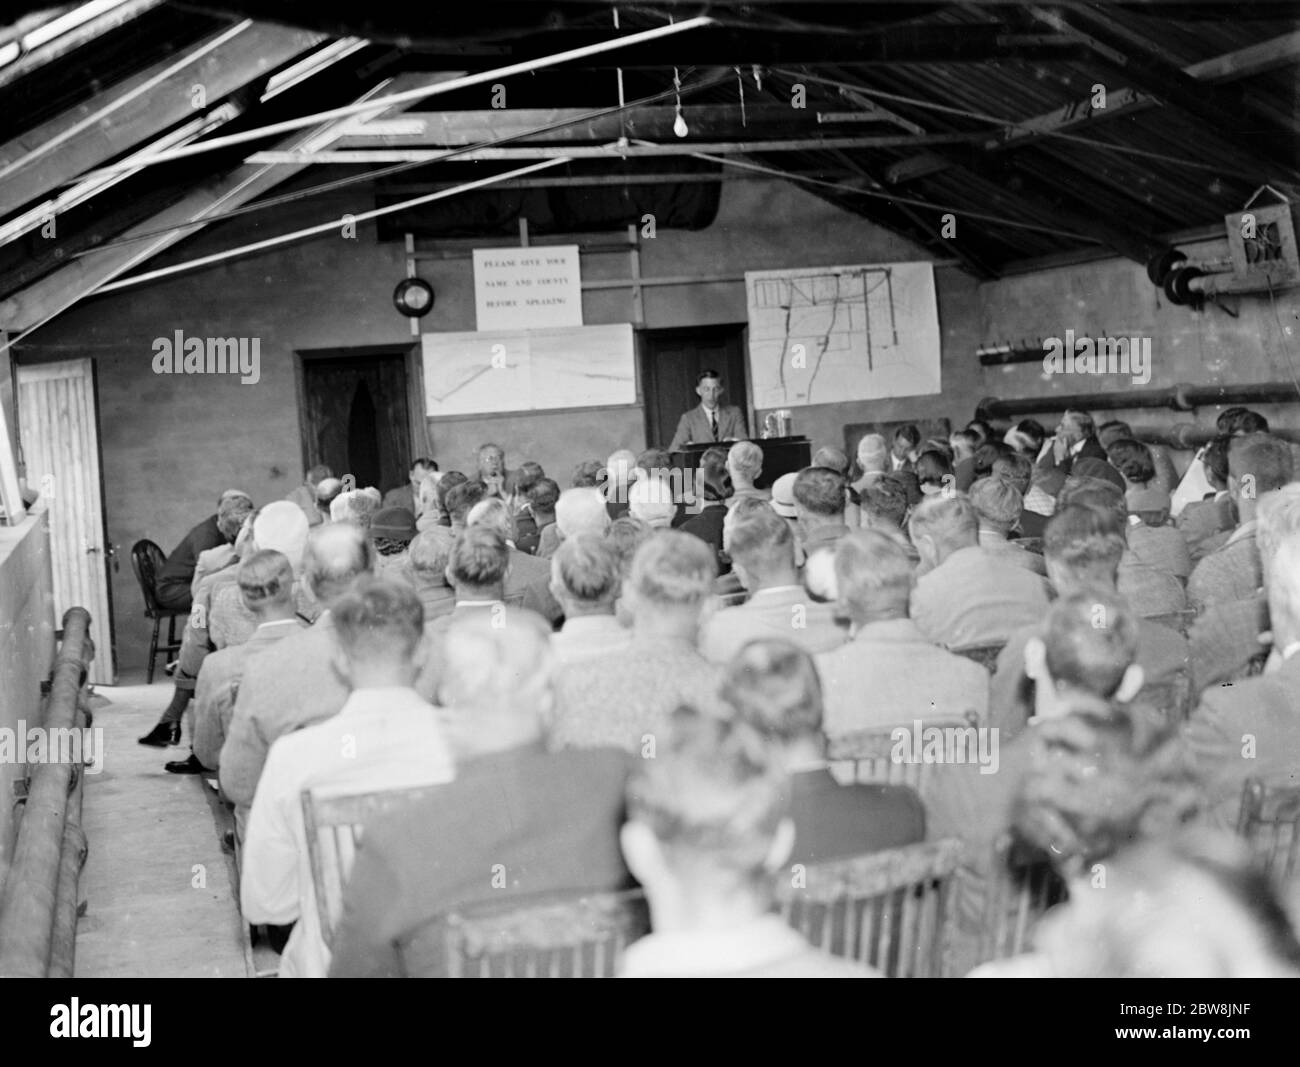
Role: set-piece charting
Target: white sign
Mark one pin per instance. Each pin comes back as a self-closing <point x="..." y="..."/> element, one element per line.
<point x="527" y="288"/>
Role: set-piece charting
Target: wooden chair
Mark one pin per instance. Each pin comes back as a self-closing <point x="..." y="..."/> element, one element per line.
<point x="890" y="910"/>
<point x="871" y="752"/>
<point x="1270" y="823"/>
<point x="559" y="936"/>
<point x="1017" y="894"/>
<point x="985" y="655"/>
<point x="334" y="823"/>
<point x="147" y="561"/>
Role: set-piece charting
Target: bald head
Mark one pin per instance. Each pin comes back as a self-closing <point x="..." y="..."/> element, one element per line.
<point x="337" y="554"/>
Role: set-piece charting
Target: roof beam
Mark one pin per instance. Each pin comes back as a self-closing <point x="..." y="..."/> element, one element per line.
<point x="142" y="107"/>
<point x="426" y="129"/>
<point x="1242" y="63"/>
<point x="611" y="151"/>
<point x="53" y="294"/>
<point x="1148" y="69"/>
<point x="72" y="40"/>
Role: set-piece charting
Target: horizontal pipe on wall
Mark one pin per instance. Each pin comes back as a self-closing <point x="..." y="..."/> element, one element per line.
<point x="29" y="908"/>
<point x="1175" y="398"/>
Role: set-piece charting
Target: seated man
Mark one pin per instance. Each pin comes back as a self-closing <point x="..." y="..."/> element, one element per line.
<point x="580" y="510"/>
<point x="459" y="501"/>
<point x="429" y="557"/>
<point x="404" y="495"/>
<point x="620" y="469"/>
<point x="265" y="583"/>
<point x="172" y="584"/>
<point x="889" y="672"/>
<point x="1257" y="464"/>
<point x="293" y="683"/>
<point x="651" y="500"/>
<point x="819" y="503"/>
<point x="385" y="736"/>
<point x="492" y="473"/>
<point x="905" y="448"/>
<point x="761" y="546"/>
<point x="528" y="578"/>
<point x="884" y="507"/>
<point x="585" y="579"/>
<point x="477" y="567"/>
<point x="1207" y="523"/>
<point x="708" y="828"/>
<point x="711" y="489"/>
<point x="1017" y="471"/>
<point x="744" y="465"/>
<point x="1151" y="538"/>
<point x="1164" y="476"/>
<point x="305" y="495"/>
<point x="624" y="700"/>
<point x="968" y="595"/>
<point x="516" y="821"/>
<point x="773" y="686"/>
<point x="1251" y="728"/>
<point x="535" y="525"/>
<point x="998" y="505"/>
<point x="1083" y="546"/>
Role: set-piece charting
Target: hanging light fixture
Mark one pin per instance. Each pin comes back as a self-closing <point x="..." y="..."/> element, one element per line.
<point x="679" y="123"/>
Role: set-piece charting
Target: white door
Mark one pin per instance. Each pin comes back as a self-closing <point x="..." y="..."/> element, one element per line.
<point x="60" y="442"/>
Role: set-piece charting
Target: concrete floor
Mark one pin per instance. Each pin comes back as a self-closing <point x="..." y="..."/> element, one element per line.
<point x="159" y="893"/>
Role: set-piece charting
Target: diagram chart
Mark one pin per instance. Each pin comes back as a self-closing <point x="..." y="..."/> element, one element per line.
<point x="822" y="335"/>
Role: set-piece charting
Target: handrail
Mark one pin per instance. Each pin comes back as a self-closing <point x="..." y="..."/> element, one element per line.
<point x="40" y="890"/>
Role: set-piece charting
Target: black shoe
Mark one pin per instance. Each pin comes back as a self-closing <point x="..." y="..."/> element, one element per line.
<point x="162" y="735"/>
<point x="185" y="766"/>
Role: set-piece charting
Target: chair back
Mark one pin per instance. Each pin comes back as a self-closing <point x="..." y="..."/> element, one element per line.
<point x="890" y="910"/>
<point x="1017" y="894"/>
<point x="334" y="823"/>
<point x="147" y="561"/>
<point x="555" y="936"/>
<point x="1270" y="823"/>
<point x="1175" y="620"/>
<point x="985" y="655"/>
<point x="894" y="755"/>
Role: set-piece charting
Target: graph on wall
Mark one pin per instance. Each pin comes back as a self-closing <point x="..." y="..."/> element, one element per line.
<point x="822" y="335"/>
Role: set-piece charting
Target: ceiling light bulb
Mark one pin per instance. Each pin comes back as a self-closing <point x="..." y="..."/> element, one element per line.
<point x="679" y="126"/>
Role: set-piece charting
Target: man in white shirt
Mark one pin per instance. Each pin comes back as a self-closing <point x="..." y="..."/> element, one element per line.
<point x="585" y="579"/>
<point x="761" y="546"/>
<point x="385" y="737"/>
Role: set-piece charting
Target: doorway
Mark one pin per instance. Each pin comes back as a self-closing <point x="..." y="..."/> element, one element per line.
<point x="672" y="359"/>
<point x="356" y="414"/>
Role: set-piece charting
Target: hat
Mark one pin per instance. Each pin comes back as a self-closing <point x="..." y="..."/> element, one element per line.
<point x="783" y="495"/>
<point x="282" y="526"/>
<point x="395" y="524"/>
<point x="1148" y="499"/>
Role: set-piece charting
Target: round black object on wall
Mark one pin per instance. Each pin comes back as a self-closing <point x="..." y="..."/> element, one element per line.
<point x="413" y="297"/>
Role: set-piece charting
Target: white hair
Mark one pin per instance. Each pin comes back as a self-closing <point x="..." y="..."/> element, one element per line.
<point x="651" y="501"/>
<point x="581" y="511"/>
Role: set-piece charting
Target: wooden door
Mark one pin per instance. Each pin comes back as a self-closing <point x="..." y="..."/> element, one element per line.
<point x="355" y="416"/>
<point x="670" y="362"/>
<point x="59" y="432"/>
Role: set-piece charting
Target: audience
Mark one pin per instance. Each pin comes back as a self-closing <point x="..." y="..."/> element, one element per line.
<point x="625" y="701"/>
<point x="850" y="611"/>
<point x="967" y="595"/>
<point x="889" y="672"/>
<point x="517" y="820"/>
<point x="385" y="736"/>
<point x="707" y="829"/>
<point x="761" y="546"/>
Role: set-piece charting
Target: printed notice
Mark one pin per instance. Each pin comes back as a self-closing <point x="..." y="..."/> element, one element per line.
<point x="527" y="288"/>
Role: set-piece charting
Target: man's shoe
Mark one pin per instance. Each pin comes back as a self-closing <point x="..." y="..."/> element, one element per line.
<point x="162" y="735"/>
<point x="185" y="766"/>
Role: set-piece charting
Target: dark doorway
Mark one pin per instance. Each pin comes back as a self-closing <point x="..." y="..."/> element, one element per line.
<point x="355" y="415"/>
<point x="670" y="362"/>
